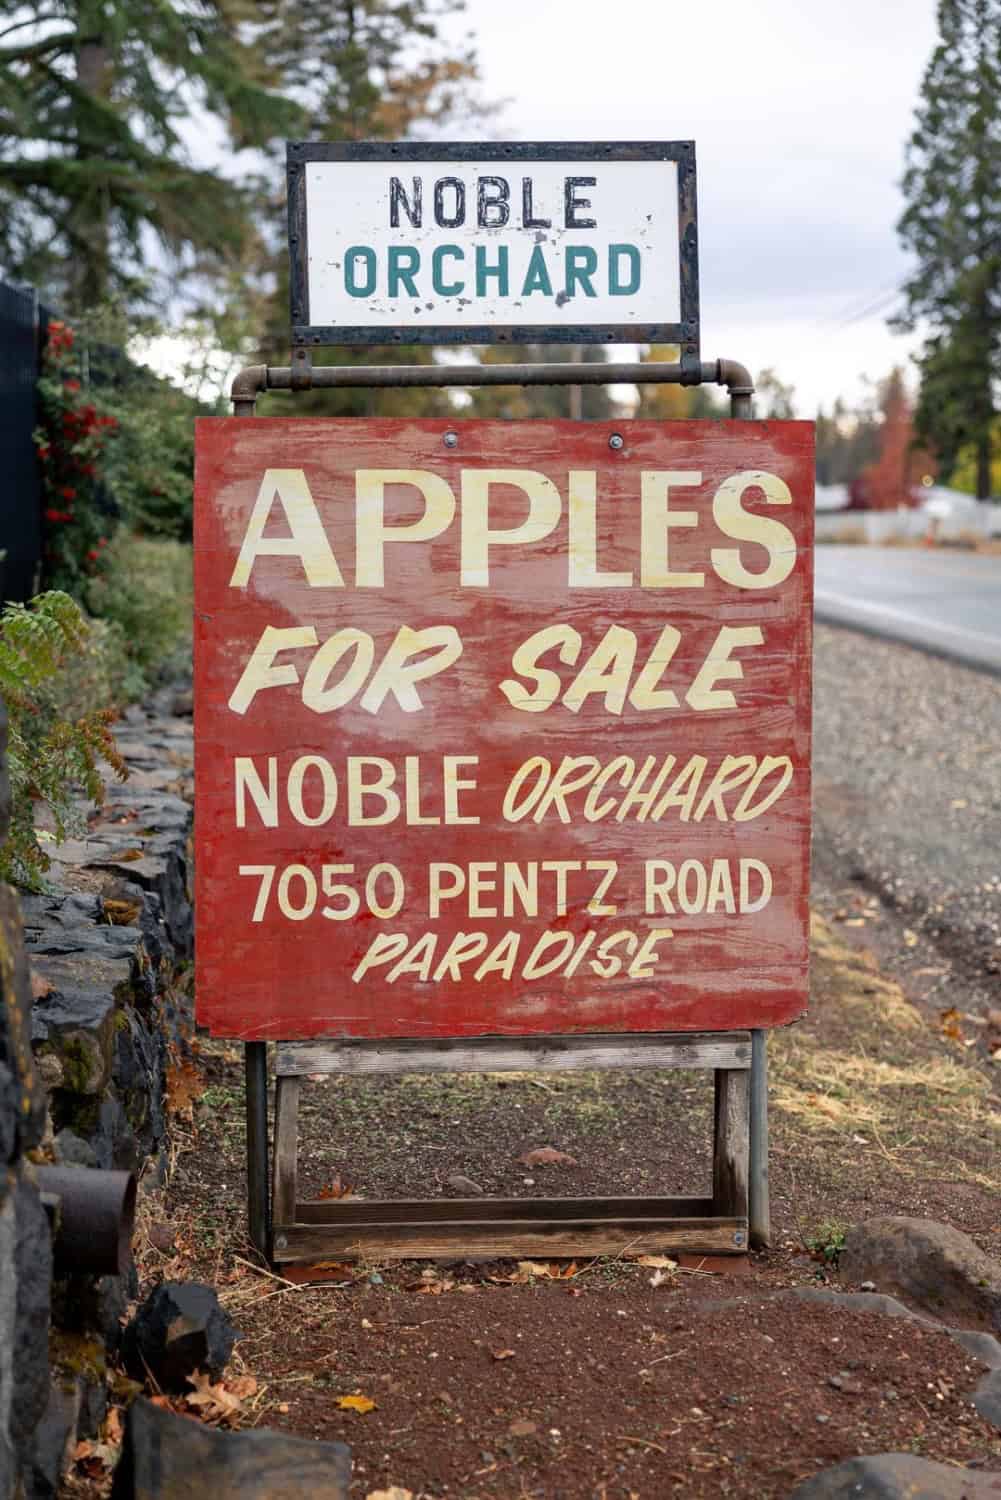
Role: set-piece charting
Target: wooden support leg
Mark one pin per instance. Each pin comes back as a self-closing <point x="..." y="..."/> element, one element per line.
<point x="758" y="1206"/>
<point x="731" y="1149"/>
<point x="286" y="1163"/>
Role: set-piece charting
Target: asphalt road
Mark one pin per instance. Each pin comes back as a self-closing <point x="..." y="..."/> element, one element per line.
<point x="942" y="601"/>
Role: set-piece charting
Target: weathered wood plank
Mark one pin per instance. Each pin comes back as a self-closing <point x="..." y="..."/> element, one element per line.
<point x="340" y="1212"/>
<point x="286" y="1151"/>
<point x="300" y="1242"/>
<point x="492" y="1054"/>
<point x="731" y="1143"/>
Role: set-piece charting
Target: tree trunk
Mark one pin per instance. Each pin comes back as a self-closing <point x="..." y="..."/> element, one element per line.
<point x="984" y="466"/>
<point x="90" y="215"/>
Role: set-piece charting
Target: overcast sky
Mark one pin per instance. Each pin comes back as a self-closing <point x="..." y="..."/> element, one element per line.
<point x="799" y="109"/>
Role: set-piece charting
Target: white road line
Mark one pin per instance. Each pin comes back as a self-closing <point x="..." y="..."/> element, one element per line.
<point x="888" y="611"/>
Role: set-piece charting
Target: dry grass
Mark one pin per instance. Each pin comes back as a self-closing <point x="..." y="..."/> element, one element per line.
<point x="866" y="1064"/>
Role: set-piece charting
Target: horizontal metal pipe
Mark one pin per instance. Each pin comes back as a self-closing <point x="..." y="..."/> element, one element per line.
<point x="256" y="378"/>
<point x="94" y="1218"/>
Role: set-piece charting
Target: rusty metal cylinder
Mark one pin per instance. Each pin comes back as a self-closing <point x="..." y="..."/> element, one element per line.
<point x="93" y="1218"/>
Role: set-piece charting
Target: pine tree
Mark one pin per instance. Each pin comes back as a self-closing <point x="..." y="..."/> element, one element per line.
<point x="952" y="225"/>
<point x="94" y="99"/>
<point x="360" y="70"/>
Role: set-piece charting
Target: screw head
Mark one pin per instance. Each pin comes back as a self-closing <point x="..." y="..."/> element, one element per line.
<point x="451" y="439"/>
<point x="281" y="1242"/>
<point x="616" y="441"/>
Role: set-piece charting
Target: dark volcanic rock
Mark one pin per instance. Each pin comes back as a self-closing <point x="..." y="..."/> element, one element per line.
<point x="898" y="1476"/>
<point x="139" y="1078"/>
<point x="102" y="1123"/>
<point x="73" y="1031"/>
<point x="167" y="1457"/>
<point x="30" y="1285"/>
<point x="53" y="1443"/>
<point x="73" y="1151"/>
<point x="22" y="1097"/>
<point x="180" y="1328"/>
<point x="935" y="1265"/>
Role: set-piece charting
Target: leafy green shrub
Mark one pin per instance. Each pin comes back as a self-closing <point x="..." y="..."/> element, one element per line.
<point x="145" y="590"/>
<point x="70" y="442"/>
<point x="102" y="674"/>
<point x="827" y="1242"/>
<point x="149" y="468"/>
<point x="50" y="756"/>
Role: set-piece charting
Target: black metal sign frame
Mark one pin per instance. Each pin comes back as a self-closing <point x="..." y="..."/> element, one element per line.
<point x="685" y="333"/>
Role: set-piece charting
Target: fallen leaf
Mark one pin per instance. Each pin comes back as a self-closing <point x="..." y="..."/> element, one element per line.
<point x="959" y="803"/>
<point x="95" y="1459"/>
<point x="950" y="1023"/>
<point x="39" y="987"/>
<point x="539" y="1270"/>
<point x="657" y="1262"/>
<point x="185" y="1085"/>
<point x="503" y="1353"/>
<point x="121" y="913"/>
<point x="910" y="938"/>
<point x="242" y="1386"/>
<point x="336" y="1189"/>
<point x="339" y="1268"/>
<point x="523" y="1427"/>
<point x="395" y="1492"/>
<point x="435" y="1288"/>
<point x="547" y="1156"/>
<point x="854" y="921"/>
<point x="533" y="1268"/>
<point x="114" y="1427"/>
<point x="356" y="1403"/>
<point x="214" y="1402"/>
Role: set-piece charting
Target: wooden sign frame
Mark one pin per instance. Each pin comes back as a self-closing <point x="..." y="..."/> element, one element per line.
<point x="733" y="1218"/>
<point x="512" y="155"/>
<point x="407" y="1229"/>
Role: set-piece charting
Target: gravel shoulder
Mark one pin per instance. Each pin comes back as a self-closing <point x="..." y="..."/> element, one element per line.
<point x="907" y="815"/>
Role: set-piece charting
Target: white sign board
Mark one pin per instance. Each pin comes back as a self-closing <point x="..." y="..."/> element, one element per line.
<point x="492" y="243"/>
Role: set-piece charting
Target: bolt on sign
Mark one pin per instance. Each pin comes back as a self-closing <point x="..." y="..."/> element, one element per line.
<point x="503" y="728"/>
<point x="433" y="243"/>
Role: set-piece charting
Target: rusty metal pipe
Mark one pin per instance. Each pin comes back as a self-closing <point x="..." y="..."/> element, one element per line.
<point x="94" y="1216"/>
<point x="247" y="385"/>
<point x="256" y="378"/>
<point x="738" y="381"/>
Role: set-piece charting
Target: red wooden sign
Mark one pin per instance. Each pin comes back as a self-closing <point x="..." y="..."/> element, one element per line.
<point x="502" y="728"/>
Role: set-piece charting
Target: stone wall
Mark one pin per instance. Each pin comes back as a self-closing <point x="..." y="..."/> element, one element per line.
<point x="96" y="991"/>
<point x="25" y="1249"/>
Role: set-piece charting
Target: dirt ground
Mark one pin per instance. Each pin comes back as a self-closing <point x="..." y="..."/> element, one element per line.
<point x="610" y="1380"/>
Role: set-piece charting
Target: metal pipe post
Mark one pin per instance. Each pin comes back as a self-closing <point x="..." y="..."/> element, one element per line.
<point x="759" y="1220"/>
<point x="250" y="382"/>
<point x="759" y="1217"/>
<point x="258" y="1207"/>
